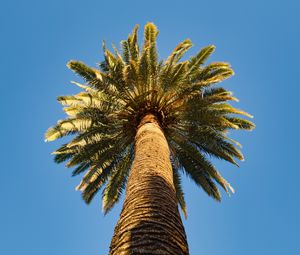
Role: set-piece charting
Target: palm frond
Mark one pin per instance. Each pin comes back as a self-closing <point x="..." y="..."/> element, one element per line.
<point x="150" y="35"/>
<point x="117" y="181"/>
<point x="179" y="190"/>
<point x="193" y="170"/>
<point x="178" y="52"/>
<point x="241" y="123"/>
<point x="125" y="51"/>
<point x="133" y="44"/>
<point x="201" y="162"/>
<point x="66" y="127"/>
<point x="200" y="58"/>
<point x="98" y="176"/>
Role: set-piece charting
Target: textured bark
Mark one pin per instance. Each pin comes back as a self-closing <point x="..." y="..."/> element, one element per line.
<point x="150" y="222"/>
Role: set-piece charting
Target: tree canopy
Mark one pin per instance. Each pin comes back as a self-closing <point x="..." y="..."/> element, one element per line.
<point x="193" y="112"/>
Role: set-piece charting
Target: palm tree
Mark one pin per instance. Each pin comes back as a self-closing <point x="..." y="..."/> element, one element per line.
<point x="140" y="123"/>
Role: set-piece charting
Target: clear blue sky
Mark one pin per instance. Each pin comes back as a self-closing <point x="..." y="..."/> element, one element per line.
<point x="41" y="213"/>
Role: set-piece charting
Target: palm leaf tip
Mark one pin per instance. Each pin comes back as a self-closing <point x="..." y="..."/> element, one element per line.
<point x="231" y="188"/>
<point x="201" y="57"/>
<point x="79" y="187"/>
<point x="248" y="115"/>
<point x="82" y="70"/>
<point x="150" y="32"/>
<point x="52" y="134"/>
<point x="48" y="135"/>
<point x="242" y="123"/>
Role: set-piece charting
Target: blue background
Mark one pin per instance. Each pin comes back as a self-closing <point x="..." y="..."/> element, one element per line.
<point x="40" y="211"/>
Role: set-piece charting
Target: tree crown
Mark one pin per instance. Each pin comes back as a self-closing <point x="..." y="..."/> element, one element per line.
<point x="194" y="115"/>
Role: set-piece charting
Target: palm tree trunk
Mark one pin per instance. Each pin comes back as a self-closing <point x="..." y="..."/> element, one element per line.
<point x="150" y="222"/>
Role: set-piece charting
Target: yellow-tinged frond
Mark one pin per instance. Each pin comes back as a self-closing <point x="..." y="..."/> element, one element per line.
<point x="85" y="140"/>
<point x="179" y="51"/>
<point x="91" y="98"/>
<point x="200" y="58"/>
<point x="65" y="127"/>
<point x="231" y="188"/>
<point x="228" y="109"/>
<point x="86" y="88"/>
<point x="86" y="181"/>
<point x="69" y="100"/>
<point x="76" y="124"/>
<point x="65" y="151"/>
<point x="133" y="44"/>
<point x="98" y="74"/>
<point x="52" y="134"/>
<point x="72" y="111"/>
<point x="82" y="70"/>
<point x="150" y="33"/>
